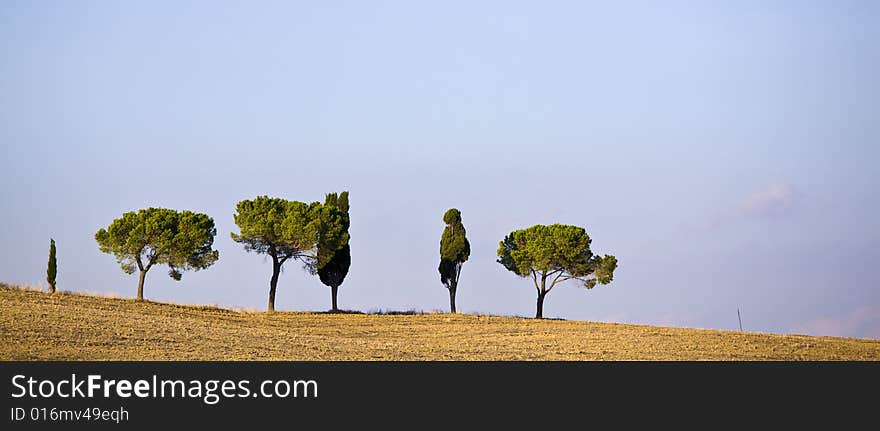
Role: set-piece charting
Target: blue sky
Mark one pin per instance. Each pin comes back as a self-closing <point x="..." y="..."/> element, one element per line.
<point x="723" y="151"/>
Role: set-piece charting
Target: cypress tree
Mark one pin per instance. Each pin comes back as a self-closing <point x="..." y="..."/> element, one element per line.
<point x="333" y="273"/>
<point x="52" y="269"/>
<point x="454" y="252"/>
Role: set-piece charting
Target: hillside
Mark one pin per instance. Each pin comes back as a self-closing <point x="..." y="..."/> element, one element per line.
<point x="38" y="326"/>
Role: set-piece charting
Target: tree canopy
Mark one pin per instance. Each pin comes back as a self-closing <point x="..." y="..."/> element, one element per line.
<point x="156" y="236"/>
<point x="280" y="228"/>
<point x="554" y="254"/>
<point x="454" y="252"/>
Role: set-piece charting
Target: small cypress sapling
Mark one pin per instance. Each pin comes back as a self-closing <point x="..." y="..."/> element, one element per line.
<point x="52" y="269"/>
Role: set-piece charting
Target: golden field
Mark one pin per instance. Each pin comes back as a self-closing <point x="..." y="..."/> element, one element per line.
<point x="38" y="326"/>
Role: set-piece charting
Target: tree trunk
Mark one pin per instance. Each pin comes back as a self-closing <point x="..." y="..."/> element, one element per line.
<point x="452" y="299"/>
<point x="141" y="285"/>
<point x="540" y="313"/>
<point x="276" y="269"/>
<point x="51" y="288"/>
<point x="334" y="290"/>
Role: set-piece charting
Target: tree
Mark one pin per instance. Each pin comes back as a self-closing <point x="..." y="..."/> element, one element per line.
<point x="156" y="236"/>
<point x="454" y="252"/>
<point x="333" y="273"/>
<point x="556" y="253"/>
<point x="52" y="268"/>
<point x="286" y="230"/>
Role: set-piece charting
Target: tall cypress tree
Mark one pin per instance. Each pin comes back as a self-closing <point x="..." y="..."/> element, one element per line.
<point x="333" y="273"/>
<point x="52" y="269"/>
<point x="454" y="252"/>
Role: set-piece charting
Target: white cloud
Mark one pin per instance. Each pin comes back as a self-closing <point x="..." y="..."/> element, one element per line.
<point x="770" y="201"/>
<point x="774" y="199"/>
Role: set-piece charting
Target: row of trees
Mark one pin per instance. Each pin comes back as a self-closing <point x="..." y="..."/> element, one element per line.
<point x="550" y="255"/>
<point x="317" y="235"/>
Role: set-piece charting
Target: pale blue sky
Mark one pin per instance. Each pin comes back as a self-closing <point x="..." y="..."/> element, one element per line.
<point x="723" y="151"/>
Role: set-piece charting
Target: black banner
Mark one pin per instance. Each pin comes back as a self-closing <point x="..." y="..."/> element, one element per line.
<point x="393" y="394"/>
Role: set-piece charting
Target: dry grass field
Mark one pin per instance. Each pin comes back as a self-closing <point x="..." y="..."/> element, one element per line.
<point x="38" y="326"/>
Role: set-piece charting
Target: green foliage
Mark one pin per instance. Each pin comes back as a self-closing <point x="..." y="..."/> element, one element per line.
<point x="454" y="248"/>
<point x="280" y="228"/>
<point x="555" y="253"/>
<point x="449" y="272"/>
<point x="154" y="236"/>
<point x="454" y="245"/>
<point x="333" y="245"/>
<point x="291" y="229"/>
<point x="452" y="216"/>
<point x="604" y="271"/>
<point x="337" y="200"/>
<point x="333" y="273"/>
<point x="555" y="249"/>
<point x="331" y="223"/>
<point x="52" y="268"/>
